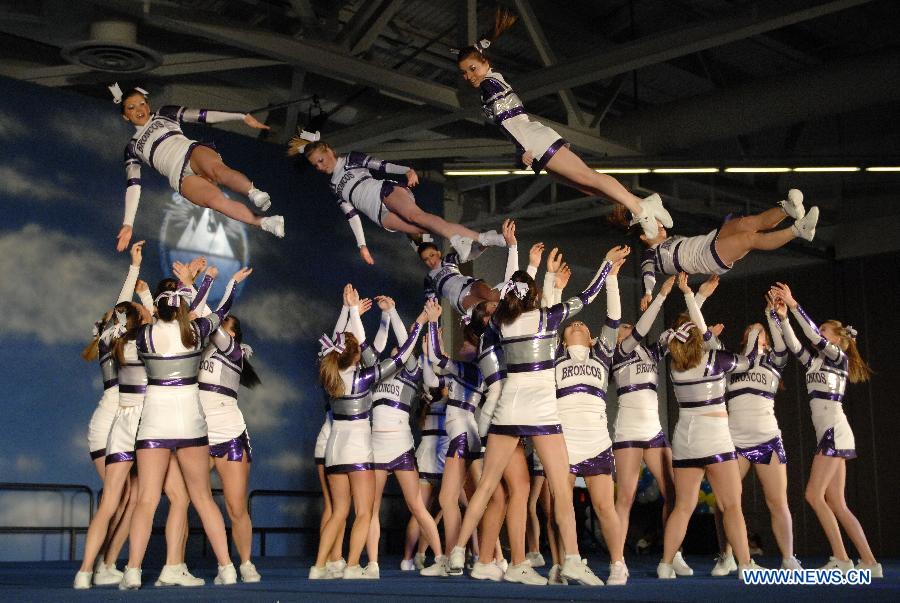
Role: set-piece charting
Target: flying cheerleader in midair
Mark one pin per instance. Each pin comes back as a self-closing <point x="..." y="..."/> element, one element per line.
<point x="194" y="169"/>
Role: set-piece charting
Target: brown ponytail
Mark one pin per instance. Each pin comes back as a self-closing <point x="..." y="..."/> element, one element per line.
<point x="182" y="313"/>
<point x="132" y="323"/>
<point x="687" y="354"/>
<point x="504" y="19"/>
<point x="511" y="307"/>
<point x="92" y="350"/>
<point x="859" y="369"/>
<point x="332" y="364"/>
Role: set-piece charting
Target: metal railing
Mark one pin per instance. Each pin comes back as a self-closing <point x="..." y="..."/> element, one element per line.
<point x="61" y="489"/>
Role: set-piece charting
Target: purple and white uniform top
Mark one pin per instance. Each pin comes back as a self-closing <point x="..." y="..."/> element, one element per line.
<point x="359" y="192"/>
<point x="503" y="107"/>
<point x="432" y="448"/>
<point x="694" y="255"/>
<point x="751" y="400"/>
<point x="826" y="381"/>
<point x="161" y="144"/>
<point x="132" y="388"/>
<point x="527" y="404"/>
<point x="448" y="282"/>
<point x="219" y="382"/>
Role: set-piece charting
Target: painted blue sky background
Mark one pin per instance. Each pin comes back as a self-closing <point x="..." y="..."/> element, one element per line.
<point x="61" y="194"/>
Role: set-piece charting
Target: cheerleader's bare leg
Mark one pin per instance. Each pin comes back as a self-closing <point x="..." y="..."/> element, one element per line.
<point x="114" y="484"/>
<point x="339" y="490"/>
<point x="123" y="521"/>
<point x="176" y="520"/>
<point x="834" y="496"/>
<point x="402" y="203"/>
<point x="570" y="167"/>
<point x="773" y="478"/>
<point x="362" y="489"/>
<point x="152" y="466"/>
<point x="725" y="479"/>
<point x="659" y="463"/>
<point x="479" y="292"/>
<point x="491" y="523"/>
<point x="235" y="476"/>
<point x="194" y="463"/>
<point x="533" y="533"/>
<point x="208" y="164"/>
<point x="555" y="458"/>
<point x="374" y="536"/>
<point x="412" y="527"/>
<point x="602" y="494"/>
<point x="409" y="485"/>
<point x="628" y="470"/>
<point x="546" y="500"/>
<point x="451" y="485"/>
<point x="203" y="193"/>
<point x="518" y="481"/>
<point x="687" y="483"/>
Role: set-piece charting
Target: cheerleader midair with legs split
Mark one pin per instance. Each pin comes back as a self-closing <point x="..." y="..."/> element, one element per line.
<point x="833" y="360"/>
<point x="540" y="147"/>
<point x="193" y="169"/>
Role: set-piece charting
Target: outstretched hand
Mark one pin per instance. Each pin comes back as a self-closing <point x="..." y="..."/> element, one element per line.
<point x="366" y="256"/>
<point x="563" y="276"/>
<point x="211" y="272"/>
<point x="123" y="238"/>
<point x="433" y="310"/>
<point x="683" y="283"/>
<point x="717" y="329"/>
<point x="412" y="178"/>
<point x="667" y="286"/>
<point x="509" y="232"/>
<point x="136" y="253"/>
<point x="238" y="276"/>
<point x="782" y="292"/>
<point x="254" y="123"/>
<point x="709" y="285"/>
<point x="385" y="303"/>
<point x="554" y="260"/>
<point x="182" y="272"/>
<point x="535" y="254"/>
<point x="645" y="302"/>
<point x="141" y="286"/>
<point x="365" y="304"/>
<point x="617" y="253"/>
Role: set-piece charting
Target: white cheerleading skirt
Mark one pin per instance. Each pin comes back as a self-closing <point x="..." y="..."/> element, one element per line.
<point x="172" y="418"/>
<point x="101" y="422"/>
<point x="322" y="440"/>
<point x="636" y="424"/>
<point x="387" y="446"/>
<point x="527" y="405"/>
<point x="224" y="420"/>
<point x="833" y="433"/>
<point x="701" y="440"/>
<point x="462" y="433"/>
<point x="584" y="444"/>
<point x="430" y="456"/>
<point x="123" y="434"/>
<point x="750" y="429"/>
<point x="533" y="136"/>
<point x="349" y="447"/>
<point x="698" y="255"/>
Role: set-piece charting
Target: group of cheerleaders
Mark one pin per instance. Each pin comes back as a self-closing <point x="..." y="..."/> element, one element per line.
<point x="511" y="420"/>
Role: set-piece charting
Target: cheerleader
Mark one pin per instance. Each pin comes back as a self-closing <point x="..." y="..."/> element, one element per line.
<point x="702" y="441"/>
<point x="348" y="454"/>
<point x="224" y="369"/>
<point x="444" y="279"/>
<point x="716" y="252"/>
<point x="527" y="407"/>
<point x="193" y="169"/>
<point x="172" y="420"/>
<point x="755" y="433"/>
<point x="582" y="376"/>
<point x="538" y="146"/>
<point x="385" y="202"/>
<point x="833" y="360"/>
<point x="392" y="441"/>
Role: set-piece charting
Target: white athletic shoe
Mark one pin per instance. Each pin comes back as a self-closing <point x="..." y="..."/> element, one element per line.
<point x="535" y="559"/>
<point x="750" y="566"/>
<point x="318" y="573"/>
<point x="131" y="579"/>
<point x="576" y="569"/>
<point x="487" y="571"/>
<point x="107" y="575"/>
<point x="491" y="238"/>
<point x="793" y="205"/>
<point x="555" y="576"/>
<point x="419" y="561"/>
<point x="356" y="572"/>
<point x="462" y="246"/>
<point x="335" y="569"/>
<point x="523" y="573"/>
<point x="176" y="575"/>
<point x="227" y="575"/>
<point x="260" y="198"/>
<point x="805" y="227"/>
<point x="438" y="570"/>
<point x="274" y="225"/>
<point x="681" y="566"/>
<point x="407" y="565"/>
<point x="791" y="563"/>
<point x="665" y="571"/>
<point x="249" y="573"/>
<point x="875" y="568"/>
<point x="652" y="210"/>
<point x="457" y="558"/>
<point x="618" y="574"/>
<point x="373" y="570"/>
<point x="833" y="563"/>
<point x="502" y="564"/>
<point x="725" y="564"/>
<point x="82" y="580"/>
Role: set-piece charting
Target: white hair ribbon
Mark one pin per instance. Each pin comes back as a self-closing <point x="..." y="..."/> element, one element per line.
<point x="338" y="344"/>
<point x="174" y="297"/>
<point x="851" y="331"/>
<point x="682" y="333"/>
<point x="247" y="350"/>
<point x="519" y="289"/>
<point x="482" y="45"/>
<point x="116" y="93"/>
<point x="142" y="91"/>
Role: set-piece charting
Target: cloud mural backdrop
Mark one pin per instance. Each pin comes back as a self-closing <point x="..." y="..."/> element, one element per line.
<point x="61" y="193"/>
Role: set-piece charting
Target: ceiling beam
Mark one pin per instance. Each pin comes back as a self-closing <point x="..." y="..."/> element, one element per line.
<point x="385" y="13"/>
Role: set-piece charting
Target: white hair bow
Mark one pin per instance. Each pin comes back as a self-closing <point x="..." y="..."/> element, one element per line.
<point x="851" y="331"/>
<point x="338" y="344"/>
<point x="116" y="330"/>
<point x="519" y="289"/>
<point x="174" y="297"/>
<point x="482" y="45"/>
<point x="117" y="92"/>
<point x="682" y="333"/>
<point x="247" y="350"/>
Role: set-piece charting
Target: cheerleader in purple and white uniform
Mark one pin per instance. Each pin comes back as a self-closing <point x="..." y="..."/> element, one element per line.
<point x="832" y="360"/>
<point x="527" y="407"/>
<point x="348" y="454"/>
<point x="755" y="433"/>
<point x="172" y="420"/>
<point x="385" y="202"/>
<point x="192" y="168"/>
<point x="582" y="377"/>
<point x="702" y="441"/>
<point x="392" y="441"/>
<point x="225" y="368"/>
<point x="539" y="146"/>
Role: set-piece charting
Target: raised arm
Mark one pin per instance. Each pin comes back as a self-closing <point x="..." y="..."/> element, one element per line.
<point x="379" y="342"/>
<point x="645" y="322"/>
<point x="132" y="195"/>
<point x="206" y="325"/>
<point x="560" y="312"/>
<point x="134" y="269"/>
<point x="779" y="349"/>
<point x="387" y="368"/>
<point x="610" y="330"/>
<point x="373" y="163"/>
<point x="208" y="116"/>
<point x="648" y="274"/>
<point x="693" y="310"/>
<point x="809" y="328"/>
<point x="534" y="259"/>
